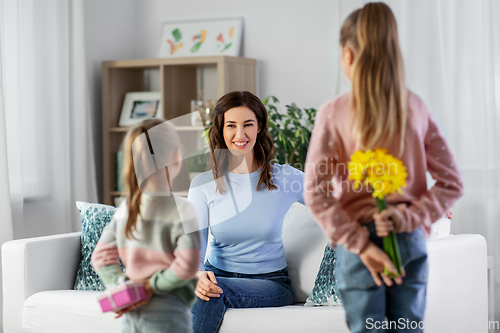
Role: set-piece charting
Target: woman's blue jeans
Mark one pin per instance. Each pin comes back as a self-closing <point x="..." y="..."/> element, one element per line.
<point x="241" y="291"/>
<point x="367" y="306"/>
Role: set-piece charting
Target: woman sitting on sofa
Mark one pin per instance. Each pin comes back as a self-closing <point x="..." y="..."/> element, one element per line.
<point x="243" y="199"/>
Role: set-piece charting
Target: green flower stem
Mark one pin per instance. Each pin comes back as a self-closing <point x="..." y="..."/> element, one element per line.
<point x="391" y="246"/>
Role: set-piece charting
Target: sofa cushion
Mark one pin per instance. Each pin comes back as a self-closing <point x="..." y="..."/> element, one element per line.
<point x="94" y="217"/>
<point x="292" y="318"/>
<point x="304" y="242"/>
<point x="78" y="311"/>
<point x="72" y="311"/>
<point x="325" y="290"/>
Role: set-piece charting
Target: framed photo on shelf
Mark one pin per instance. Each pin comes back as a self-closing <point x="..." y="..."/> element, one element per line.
<point x="140" y="105"/>
<point x="201" y="37"/>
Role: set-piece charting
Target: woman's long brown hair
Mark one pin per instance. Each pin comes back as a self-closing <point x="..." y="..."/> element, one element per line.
<point x="379" y="94"/>
<point x="263" y="149"/>
<point x="129" y="177"/>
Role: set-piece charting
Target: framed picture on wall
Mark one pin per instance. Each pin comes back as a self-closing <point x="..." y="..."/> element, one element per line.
<point x="201" y="37"/>
<point x="140" y="105"/>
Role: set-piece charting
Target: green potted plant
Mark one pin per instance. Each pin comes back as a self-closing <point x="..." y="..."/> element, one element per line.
<point x="291" y="132"/>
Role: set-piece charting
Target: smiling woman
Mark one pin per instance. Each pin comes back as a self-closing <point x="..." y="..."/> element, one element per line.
<point x="240" y="134"/>
<point x="240" y="129"/>
<point x="243" y="202"/>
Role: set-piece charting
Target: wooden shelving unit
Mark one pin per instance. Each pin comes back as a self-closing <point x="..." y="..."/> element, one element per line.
<point x="178" y="84"/>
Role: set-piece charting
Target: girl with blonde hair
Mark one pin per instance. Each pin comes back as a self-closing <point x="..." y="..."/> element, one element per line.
<point x="148" y="233"/>
<point x="379" y="112"/>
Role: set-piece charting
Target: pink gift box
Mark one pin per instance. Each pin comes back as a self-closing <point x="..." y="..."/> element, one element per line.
<point x="122" y="296"/>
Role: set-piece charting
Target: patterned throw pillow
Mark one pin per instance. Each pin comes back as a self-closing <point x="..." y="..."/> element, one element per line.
<point x="94" y="218"/>
<point x="325" y="287"/>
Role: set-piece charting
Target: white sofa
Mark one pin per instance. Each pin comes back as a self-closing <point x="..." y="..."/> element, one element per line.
<point x="39" y="274"/>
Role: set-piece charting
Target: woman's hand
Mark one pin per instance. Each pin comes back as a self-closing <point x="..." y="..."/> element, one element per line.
<point x="149" y="294"/>
<point x="207" y="286"/>
<point x="389" y="219"/>
<point x="375" y="259"/>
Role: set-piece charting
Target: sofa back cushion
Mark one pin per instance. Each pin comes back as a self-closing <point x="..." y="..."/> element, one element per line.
<point x="304" y="243"/>
<point x="94" y="217"/>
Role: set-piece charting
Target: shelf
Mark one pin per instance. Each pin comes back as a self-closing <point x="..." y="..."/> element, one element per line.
<point x="119" y="194"/>
<point x="118" y="129"/>
<point x="193" y="61"/>
<point x="178" y="128"/>
<point x="179" y="81"/>
<point x="190" y="128"/>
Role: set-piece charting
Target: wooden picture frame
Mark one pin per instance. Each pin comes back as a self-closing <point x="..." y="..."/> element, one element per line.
<point x="140" y="105"/>
<point x="201" y="37"/>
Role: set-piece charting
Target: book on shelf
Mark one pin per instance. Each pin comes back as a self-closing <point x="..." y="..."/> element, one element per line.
<point x="119" y="165"/>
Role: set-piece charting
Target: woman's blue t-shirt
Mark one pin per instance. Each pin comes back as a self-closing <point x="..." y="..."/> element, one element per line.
<point x="246" y="224"/>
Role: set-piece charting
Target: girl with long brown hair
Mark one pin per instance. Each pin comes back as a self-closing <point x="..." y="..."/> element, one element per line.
<point x="379" y="112"/>
<point x="242" y="201"/>
<point x="147" y="233"/>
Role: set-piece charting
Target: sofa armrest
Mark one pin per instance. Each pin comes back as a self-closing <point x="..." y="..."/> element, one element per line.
<point x="457" y="292"/>
<point x="36" y="264"/>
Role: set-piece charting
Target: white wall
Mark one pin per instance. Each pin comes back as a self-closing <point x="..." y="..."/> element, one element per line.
<point x="295" y="41"/>
<point x="110" y="30"/>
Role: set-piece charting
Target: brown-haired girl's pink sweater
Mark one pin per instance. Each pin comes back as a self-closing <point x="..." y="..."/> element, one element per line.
<point x="341" y="210"/>
<point x="161" y="249"/>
